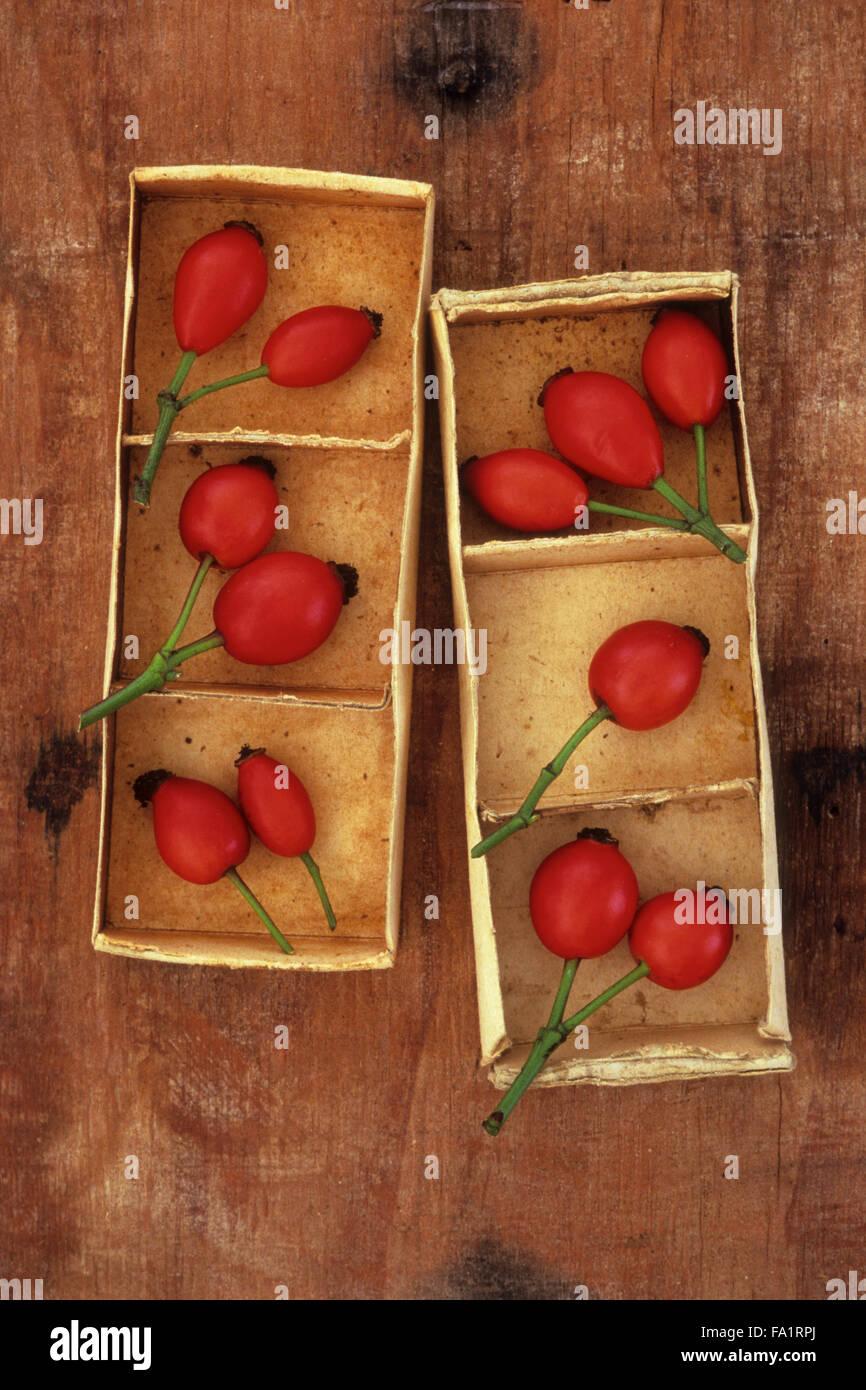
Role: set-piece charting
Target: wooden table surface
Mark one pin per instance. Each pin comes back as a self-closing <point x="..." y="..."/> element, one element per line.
<point x="306" y="1168"/>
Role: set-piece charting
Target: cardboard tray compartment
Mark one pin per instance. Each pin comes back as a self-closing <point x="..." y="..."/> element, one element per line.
<point x="348" y="461"/>
<point x="691" y="801"/>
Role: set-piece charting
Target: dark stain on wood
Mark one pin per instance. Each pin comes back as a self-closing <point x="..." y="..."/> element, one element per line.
<point x="64" y="770"/>
<point x="821" y="772"/>
<point x="490" y="1270"/>
<point x="475" y="56"/>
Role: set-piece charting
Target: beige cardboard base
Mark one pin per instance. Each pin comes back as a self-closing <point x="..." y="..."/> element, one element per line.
<point x="345" y="759"/>
<point x="550" y="622"/>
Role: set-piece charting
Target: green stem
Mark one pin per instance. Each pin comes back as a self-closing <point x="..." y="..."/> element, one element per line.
<point x="569" y="970"/>
<point x="162" y="668"/>
<point x="168" y="408"/>
<point x="201" y="644"/>
<point x="234" y="877"/>
<point x="221" y="385"/>
<point x="638" y="973"/>
<point x="535" y="1060"/>
<point x="526" y="813"/>
<point x="313" y="869"/>
<point x="173" y="638"/>
<point x="699" y="523"/>
<point x="701" y="448"/>
<point x="153" y="678"/>
<point x="670" y="494"/>
<point x="673" y="522"/>
<point x="550" y="1038"/>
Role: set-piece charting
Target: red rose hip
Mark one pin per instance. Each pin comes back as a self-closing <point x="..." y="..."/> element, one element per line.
<point x="647" y="673"/>
<point x="525" y="489"/>
<point x="684" y="369"/>
<point x="280" y="607"/>
<point x="583" y="897"/>
<point x="220" y="282"/>
<point x="318" y="345"/>
<point x="600" y="423"/>
<point x="199" y="831"/>
<point x="276" y="804"/>
<point x="680" y="954"/>
<point x="229" y="512"/>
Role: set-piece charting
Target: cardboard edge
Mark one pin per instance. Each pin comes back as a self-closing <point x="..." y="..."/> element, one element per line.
<point x="632" y="1070"/>
<point x="372" y="958"/>
<point x="617" y="289"/>
<point x="166" y="179"/>
<point x="641" y="543"/>
<point x="106" y="761"/>
<point x="276" y="441"/>
<point x="407" y="587"/>
<point x="330" y="697"/>
<point x="657" y="796"/>
<point x="491" y="1014"/>
<point x="775" y="1024"/>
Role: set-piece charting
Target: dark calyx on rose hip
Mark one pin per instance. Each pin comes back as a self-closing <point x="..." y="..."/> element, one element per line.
<point x="601" y="424"/>
<point x="669" y="952"/>
<point x="200" y="834"/>
<point x="280" y="812"/>
<point x="643" y="676"/>
<point x="272" y="611"/>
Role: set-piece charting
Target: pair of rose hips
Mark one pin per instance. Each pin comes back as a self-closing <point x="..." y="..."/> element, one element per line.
<point x="278" y="607"/>
<point x="275" y="608"/>
<point x="598" y="422"/>
<point x="220" y="282"/>
<point x="582" y="901"/>
<point x="202" y="835"/>
<point x="584" y="898"/>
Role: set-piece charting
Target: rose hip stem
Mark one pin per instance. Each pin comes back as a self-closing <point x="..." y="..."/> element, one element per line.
<point x="701" y="448"/>
<point x="652" y="519"/>
<point x="554" y="1034"/>
<point x="700" y="521"/>
<point x="525" y="815"/>
<point x="168" y="408"/>
<point x="246" y="892"/>
<point x="163" y="666"/>
<point x="263" y="370"/>
<point x="313" y="870"/>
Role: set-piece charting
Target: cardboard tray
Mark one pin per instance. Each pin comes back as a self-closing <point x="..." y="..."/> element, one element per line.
<point x="348" y="458"/>
<point x="689" y="802"/>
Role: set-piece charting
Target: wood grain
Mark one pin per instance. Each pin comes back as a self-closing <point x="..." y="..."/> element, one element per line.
<point x="306" y="1167"/>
